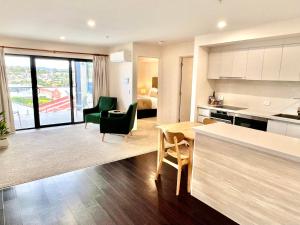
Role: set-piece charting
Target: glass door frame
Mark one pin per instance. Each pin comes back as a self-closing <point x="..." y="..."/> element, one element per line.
<point x="34" y="84"/>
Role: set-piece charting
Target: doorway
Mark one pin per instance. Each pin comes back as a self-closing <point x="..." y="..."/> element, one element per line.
<point x="48" y="91"/>
<point x="185" y="88"/>
<point x="147" y="88"/>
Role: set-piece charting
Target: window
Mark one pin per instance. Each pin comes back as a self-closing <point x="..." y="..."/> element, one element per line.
<point x="42" y="90"/>
<point x="20" y="88"/>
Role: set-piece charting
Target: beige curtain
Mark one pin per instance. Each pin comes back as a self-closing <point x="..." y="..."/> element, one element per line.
<point x="100" y="77"/>
<point x="5" y="102"/>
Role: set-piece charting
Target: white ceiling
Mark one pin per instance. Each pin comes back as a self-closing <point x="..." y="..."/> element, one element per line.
<point x="134" y="20"/>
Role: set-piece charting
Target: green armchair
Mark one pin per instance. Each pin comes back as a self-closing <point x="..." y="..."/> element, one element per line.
<point x="120" y="124"/>
<point x="92" y="115"/>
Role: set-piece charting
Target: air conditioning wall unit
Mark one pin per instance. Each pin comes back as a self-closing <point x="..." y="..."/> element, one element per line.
<point x="121" y="56"/>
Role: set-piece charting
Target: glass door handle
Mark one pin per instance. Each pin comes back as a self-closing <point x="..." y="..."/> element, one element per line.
<point x="38" y="90"/>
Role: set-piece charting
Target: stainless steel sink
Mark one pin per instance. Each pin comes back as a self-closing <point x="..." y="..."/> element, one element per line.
<point x="288" y="116"/>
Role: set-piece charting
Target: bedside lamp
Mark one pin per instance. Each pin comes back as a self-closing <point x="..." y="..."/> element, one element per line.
<point x="143" y="91"/>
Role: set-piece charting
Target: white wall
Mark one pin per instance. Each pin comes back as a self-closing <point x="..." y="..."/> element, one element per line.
<point x="253" y="95"/>
<point x="241" y="91"/>
<point x="58" y="46"/>
<point x="201" y="87"/>
<point x="119" y="74"/>
<point x="169" y="81"/>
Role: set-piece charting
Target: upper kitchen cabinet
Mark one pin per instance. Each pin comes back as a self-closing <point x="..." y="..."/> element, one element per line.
<point x="255" y="64"/>
<point x="239" y="63"/>
<point x="290" y="66"/>
<point x="274" y="63"/>
<point x="226" y="64"/>
<point x="214" y="65"/>
<point x="271" y="63"/>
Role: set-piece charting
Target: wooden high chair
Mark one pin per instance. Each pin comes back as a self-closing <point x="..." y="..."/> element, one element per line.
<point x="177" y="150"/>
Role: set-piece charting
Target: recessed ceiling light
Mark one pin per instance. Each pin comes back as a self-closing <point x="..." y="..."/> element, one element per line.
<point x="62" y="38"/>
<point x="91" y="23"/>
<point x="222" y="24"/>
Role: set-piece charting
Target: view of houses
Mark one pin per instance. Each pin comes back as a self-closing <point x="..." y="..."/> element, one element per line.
<point x="53" y="87"/>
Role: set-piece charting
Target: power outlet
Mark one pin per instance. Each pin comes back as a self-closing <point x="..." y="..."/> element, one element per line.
<point x="267" y="102"/>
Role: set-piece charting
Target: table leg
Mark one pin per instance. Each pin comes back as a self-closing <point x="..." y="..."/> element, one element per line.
<point x="190" y="166"/>
<point x="160" y="147"/>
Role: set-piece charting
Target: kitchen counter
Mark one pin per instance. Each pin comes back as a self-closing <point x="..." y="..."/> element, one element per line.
<point x="247" y="174"/>
<point x="274" y="144"/>
<point x="252" y="112"/>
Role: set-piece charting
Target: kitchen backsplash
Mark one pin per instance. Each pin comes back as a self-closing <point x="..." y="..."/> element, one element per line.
<point x="260" y="95"/>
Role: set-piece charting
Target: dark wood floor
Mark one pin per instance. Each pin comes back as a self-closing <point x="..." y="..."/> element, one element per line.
<point x="122" y="192"/>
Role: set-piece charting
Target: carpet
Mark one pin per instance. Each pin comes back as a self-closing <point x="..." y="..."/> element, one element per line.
<point x="47" y="152"/>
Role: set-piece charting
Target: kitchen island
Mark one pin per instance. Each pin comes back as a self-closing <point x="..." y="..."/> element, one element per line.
<point x="251" y="176"/>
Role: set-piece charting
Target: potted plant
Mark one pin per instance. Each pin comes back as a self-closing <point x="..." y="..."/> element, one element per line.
<point x="3" y="132"/>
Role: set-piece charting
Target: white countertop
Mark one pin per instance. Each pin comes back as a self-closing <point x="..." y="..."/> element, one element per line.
<point x="278" y="145"/>
<point x="251" y="112"/>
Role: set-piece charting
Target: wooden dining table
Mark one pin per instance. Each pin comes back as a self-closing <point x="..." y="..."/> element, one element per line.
<point x="186" y="128"/>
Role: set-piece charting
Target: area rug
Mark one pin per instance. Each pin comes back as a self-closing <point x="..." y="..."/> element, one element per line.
<point x="46" y="152"/>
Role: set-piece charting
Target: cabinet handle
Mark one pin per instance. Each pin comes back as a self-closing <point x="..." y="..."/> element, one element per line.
<point x="240" y="78"/>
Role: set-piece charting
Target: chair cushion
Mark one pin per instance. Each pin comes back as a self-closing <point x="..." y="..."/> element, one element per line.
<point x="93" y="118"/>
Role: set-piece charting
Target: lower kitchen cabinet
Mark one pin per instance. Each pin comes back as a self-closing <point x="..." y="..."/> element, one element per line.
<point x="284" y="128"/>
<point x="293" y="130"/>
<point x="277" y="127"/>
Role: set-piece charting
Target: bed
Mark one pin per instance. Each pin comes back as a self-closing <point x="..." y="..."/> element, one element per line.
<point x="147" y="104"/>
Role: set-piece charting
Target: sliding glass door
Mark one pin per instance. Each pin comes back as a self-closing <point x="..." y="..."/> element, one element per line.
<point x="20" y="88"/>
<point x="53" y="85"/>
<point x="82" y="87"/>
<point x="48" y="91"/>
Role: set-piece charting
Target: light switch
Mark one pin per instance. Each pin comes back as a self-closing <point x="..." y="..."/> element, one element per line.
<point x="126" y="80"/>
<point x="267" y="102"/>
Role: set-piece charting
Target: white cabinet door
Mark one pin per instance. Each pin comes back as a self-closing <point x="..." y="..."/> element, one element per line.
<point x="277" y="127"/>
<point x="226" y="64"/>
<point x="293" y="130"/>
<point x="290" y="66"/>
<point x="214" y="65"/>
<point x="271" y="63"/>
<point x="254" y="64"/>
<point x="203" y="112"/>
<point x="240" y="63"/>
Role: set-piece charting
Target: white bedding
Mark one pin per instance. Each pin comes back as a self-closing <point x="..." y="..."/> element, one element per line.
<point x="154" y="102"/>
<point x="152" y="99"/>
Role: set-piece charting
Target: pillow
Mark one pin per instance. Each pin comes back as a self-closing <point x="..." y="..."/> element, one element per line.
<point x="153" y="92"/>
